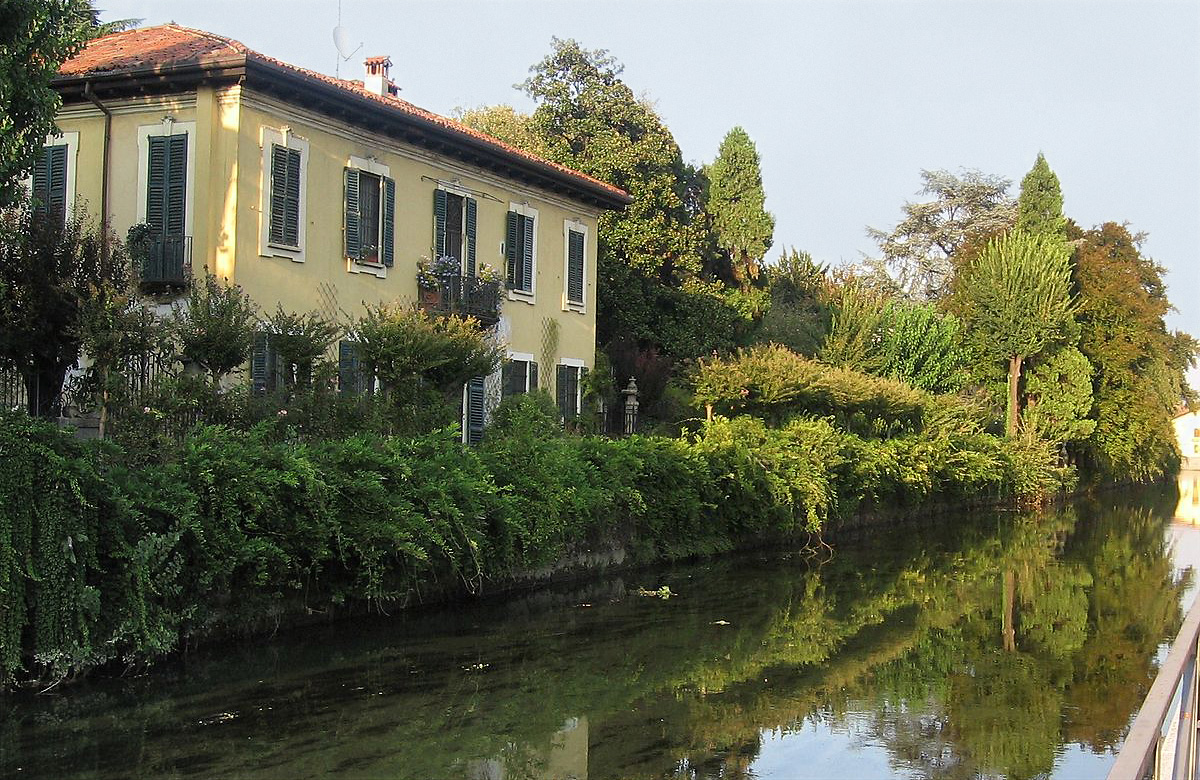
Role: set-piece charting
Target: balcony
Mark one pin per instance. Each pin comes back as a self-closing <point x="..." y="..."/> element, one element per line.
<point x="165" y="263"/>
<point x="466" y="296"/>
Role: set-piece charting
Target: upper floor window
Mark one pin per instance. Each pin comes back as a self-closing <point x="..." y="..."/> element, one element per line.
<point x="49" y="181"/>
<point x="574" y="270"/>
<point x="166" y="184"/>
<point x="370" y="214"/>
<point x="285" y="159"/>
<point x="521" y="248"/>
<point x="454" y="219"/>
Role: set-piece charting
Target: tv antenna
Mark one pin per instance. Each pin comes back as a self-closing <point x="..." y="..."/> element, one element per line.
<point x="341" y="41"/>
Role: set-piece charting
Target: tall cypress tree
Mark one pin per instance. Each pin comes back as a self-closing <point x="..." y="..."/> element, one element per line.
<point x="742" y="225"/>
<point x="1039" y="209"/>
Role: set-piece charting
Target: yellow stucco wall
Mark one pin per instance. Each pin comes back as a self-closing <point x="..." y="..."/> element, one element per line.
<point x="226" y="170"/>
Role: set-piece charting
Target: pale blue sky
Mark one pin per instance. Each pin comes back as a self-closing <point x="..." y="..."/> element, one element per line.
<point x="847" y="101"/>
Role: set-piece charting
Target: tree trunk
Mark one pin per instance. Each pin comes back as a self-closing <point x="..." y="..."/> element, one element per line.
<point x="1010" y="609"/>
<point x="1014" y="380"/>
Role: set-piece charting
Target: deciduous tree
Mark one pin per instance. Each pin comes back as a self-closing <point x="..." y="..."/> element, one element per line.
<point x="920" y="250"/>
<point x="36" y="37"/>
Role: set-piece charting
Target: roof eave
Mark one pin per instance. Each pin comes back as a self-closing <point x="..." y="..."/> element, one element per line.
<point x="363" y="110"/>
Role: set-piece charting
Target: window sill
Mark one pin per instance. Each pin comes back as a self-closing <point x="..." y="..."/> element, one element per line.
<point x="572" y="306"/>
<point x="378" y="270"/>
<point x="525" y="296"/>
<point x="295" y="254"/>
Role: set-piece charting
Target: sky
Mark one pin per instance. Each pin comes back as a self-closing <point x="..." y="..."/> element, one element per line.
<point x="847" y="101"/>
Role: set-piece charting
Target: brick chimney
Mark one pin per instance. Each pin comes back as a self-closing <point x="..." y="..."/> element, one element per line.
<point x="378" y="80"/>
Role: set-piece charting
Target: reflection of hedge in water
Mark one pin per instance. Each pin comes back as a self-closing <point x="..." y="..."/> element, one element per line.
<point x="232" y="531"/>
<point x="827" y="639"/>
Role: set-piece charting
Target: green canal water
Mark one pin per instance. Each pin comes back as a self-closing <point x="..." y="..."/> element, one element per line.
<point x="989" y="645"/>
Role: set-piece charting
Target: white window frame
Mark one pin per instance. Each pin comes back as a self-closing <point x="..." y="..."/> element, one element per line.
<point x="578" y="364"/>
<point x="284" y="137"/>
<point x="373" y="166"/>
<point x="569" y="226"/>
<point x="167" y="127"/>
<point x="528" y="358"/>
<point x="528" y="296"/>
<point x="69" y="139"/>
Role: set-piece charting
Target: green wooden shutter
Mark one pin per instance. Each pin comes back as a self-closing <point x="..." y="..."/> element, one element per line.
<point x="475" y="411"/>
<point x="389" y="222"/>
<point x="278" y="218"/>
<point x="176" y="185"/>
<point x="510" y="249"/>
<point x="527" y="255"/>
<point x="50" y="180"/>
<point x="439" y="223"/>
<point x="471" y="217"/>
<point x="574" y="266"/>
<point x="166" y="185"/>
<point x="533" y="376"/>
<point x="560" y="390"/>
<point x="259" y="369"/>
<point x="348" y="373"/>
<point x="353" y="220"/>
<point x="292" y="227"/>
<point x="285" y="196"/>
<point x="156" y="184"/>
<point x="508" y="378"/>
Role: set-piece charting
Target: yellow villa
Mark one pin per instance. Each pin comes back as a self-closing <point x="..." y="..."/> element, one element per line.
<point x="323" y="194"/>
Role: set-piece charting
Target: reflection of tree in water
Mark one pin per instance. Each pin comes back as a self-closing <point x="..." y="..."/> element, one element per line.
<point x="901" y="637"/>
<point x="1080" y="608"/>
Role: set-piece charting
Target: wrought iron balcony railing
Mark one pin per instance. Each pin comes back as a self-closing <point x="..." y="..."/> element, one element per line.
<point x="166" y="262"/>
<point x="466" y="296"/>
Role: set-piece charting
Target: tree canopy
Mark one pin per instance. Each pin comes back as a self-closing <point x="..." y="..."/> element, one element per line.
<point x="1039" y="208"/>
<point x="35" y="39"/>
<point x="921" y="249"/>
<point x="742" y="226"/>
<point x="1017" y="301"/>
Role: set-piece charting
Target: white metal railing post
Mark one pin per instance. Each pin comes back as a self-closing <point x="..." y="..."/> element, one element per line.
<point x="1174" y="689"/>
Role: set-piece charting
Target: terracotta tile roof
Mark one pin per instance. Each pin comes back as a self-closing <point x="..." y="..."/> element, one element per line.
<point x="168" y="47"/>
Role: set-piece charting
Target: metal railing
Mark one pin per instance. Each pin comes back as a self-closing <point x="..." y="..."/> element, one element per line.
<point x="467" y="296"/>
<point x="1161" y="744"/>
<point x="166" y="262"/>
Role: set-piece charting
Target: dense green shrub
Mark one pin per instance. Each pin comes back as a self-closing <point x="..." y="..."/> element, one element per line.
<point x="775" y="383"/>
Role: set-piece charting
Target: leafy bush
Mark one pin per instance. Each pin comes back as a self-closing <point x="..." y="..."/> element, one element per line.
<point x="776" y="383"/>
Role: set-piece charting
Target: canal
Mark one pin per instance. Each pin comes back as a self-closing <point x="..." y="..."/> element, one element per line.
<point x="993" y="645"/>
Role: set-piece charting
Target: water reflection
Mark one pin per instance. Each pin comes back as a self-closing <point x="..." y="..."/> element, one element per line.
<point x="1188" y="508"/>
<point x="997" y="645"/>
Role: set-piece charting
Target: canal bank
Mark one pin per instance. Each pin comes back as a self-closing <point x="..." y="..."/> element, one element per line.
<point x="886" y="660"/>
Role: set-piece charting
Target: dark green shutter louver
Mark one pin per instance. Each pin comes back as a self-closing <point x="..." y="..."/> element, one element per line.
<point x="259" y="370"/>
<point x="166" y="184"/>
<point x="50" y="180"/>
<point x="560" y="390"/>
<point x="389" y="222"/>
<point x="471" y="217"/>
<point x="285" y="196"/>
<point x="574" y="266"/>
<point x="533" y="376"/>
<point x="527" y="256"/>
<point x="439" y="223"/>
<point x="176" y="184"/>
<point x="508" y="378"/>
<point x="348" y="373"/>
<point x="510" y="249"/>
<point x="353" y="239"/>
<point x="475" y="411"/>
<point x="156" y="185"/>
